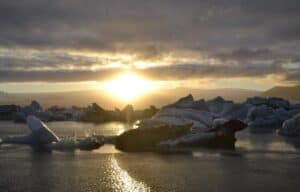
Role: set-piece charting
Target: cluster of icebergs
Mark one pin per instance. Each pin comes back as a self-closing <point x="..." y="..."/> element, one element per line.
<point x="91" y="113"/>
<point x="33" y="109"/>
<point x="187" y="122"/>
<point x="257" y="112"/>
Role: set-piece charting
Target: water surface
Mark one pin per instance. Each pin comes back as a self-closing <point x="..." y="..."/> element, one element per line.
<point x="261" y="162"/>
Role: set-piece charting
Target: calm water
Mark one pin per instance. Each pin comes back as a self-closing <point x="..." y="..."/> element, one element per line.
<point x="261" y="162"/>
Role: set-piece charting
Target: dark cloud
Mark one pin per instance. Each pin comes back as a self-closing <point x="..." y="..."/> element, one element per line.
<point x="199" y="71"/>
<point x="245" y="53"/>
<point x="292" y="76"/>
<point x="111" y="24"/>
<point x="40" y="60"/>
<point x="247" y="38"/>
<point x="172" y="72"/>
<point x="56" y="76"/>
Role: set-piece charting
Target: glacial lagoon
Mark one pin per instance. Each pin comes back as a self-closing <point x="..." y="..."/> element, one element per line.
<point x="262" y="161"/>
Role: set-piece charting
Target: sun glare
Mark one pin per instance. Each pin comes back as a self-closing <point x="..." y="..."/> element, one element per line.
<point x="128" y="86"/>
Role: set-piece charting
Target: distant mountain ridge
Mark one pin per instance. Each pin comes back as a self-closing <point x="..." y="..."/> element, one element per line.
<point x="157" y="98"/>
<point x="289" y="93"/>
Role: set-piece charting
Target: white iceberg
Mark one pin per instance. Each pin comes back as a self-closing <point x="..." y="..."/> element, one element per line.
<point x="291" y="127"/>
<point x="42" y="138"/>
<point x="184" y="111"/>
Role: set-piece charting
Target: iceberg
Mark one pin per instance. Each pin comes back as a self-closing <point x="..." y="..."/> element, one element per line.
<point x="42" y="138"/>
<point x="257" y="101"/>
<point x="210" y="124"/>
<point x="166" y="136"/>
<point x="263" y="116"/>
<point x="218" y="104"/>
<point x="291" y="127"/>
<point x="222" y="135"/>
<point x="236" y="111"/>
<point x="33" y="109"/>
<point x="275" y="102"/>
<point x="258" y="113"/>
<point x="184" y="111"/>
<point x="146" y="139"/>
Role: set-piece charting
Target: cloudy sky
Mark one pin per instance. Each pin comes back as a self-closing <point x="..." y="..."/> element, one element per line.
<point x="62" y="45"/>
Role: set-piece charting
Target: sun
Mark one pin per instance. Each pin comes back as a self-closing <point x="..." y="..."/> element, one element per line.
<point x="128" y="86"/>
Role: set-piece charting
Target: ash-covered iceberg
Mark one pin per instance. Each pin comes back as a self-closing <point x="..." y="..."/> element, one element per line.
<point x="168" y="136"/>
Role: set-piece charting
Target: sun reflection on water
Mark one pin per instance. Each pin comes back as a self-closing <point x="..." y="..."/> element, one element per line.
<point x="122" y="181"/>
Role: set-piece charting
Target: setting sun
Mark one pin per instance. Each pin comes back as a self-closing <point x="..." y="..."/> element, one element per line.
<point x="128" y="86"/>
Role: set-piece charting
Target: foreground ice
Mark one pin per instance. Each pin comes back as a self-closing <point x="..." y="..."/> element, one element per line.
<point x="43" y="138"/>
<point x="168" y="136"/>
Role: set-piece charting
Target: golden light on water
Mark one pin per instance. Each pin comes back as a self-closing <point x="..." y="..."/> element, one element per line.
<point x="122" y="181"/>
<point x="129" y="86"/>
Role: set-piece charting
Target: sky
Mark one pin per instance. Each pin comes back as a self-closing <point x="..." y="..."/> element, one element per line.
<point x="73" y="45"/>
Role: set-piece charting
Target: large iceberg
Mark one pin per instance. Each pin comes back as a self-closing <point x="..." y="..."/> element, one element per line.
<point x="294" y="109"/>
<point x="270" y="115"/>
<point x="257" y="112"/>
<point x="257" y="101"/>
<point x="166" y="136"/>
<point x="291" y="127"/>
<point x="221" y="135"/>
<point x="218" y="105"/>
<point x="184" y="111"/>
<point x="263" y="116"/>
<point x="206" y="127"/>
<point x="236" y="111"/>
